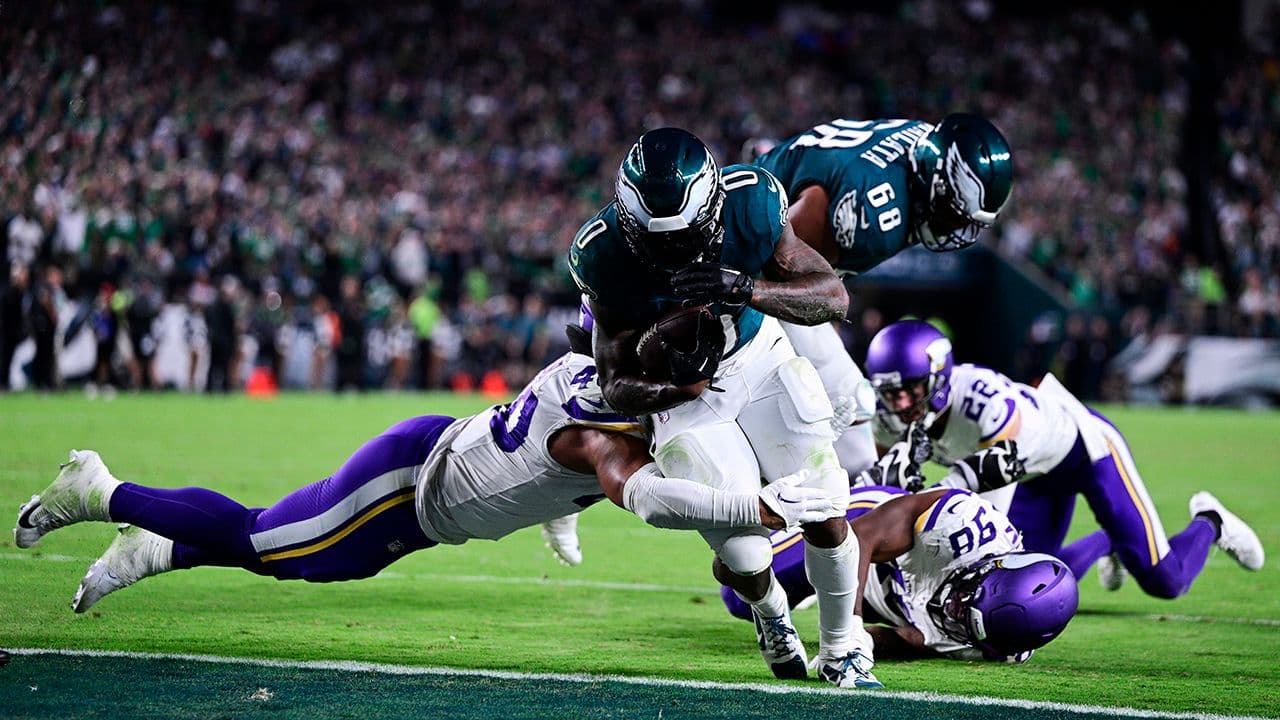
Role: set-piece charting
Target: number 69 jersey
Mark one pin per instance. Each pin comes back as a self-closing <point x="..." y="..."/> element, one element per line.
<point x="865" y="168"/>
<point x="492" y="474"/>
<point x="957" y="532"/>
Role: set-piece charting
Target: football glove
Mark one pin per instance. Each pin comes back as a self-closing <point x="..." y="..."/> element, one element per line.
<point x="988" y="469"/>
<point x="561" y="537"/>
<point x="798" y="504"/>
<point x="900" y="465"/>
<point x="579" y="339"/>
<point x="707" y="282"/>
<point x="694" y="366"/>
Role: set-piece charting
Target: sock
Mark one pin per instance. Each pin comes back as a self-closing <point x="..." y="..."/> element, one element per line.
<point x="1213" y="517"/>
<point x="833" y="572"/>
<point x="774" y="602"/>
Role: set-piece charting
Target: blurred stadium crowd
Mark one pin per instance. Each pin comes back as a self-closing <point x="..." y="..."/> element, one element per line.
<point x="359" y="196"/>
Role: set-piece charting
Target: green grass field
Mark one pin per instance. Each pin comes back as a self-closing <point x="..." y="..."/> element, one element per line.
<point x="642" y="604"/>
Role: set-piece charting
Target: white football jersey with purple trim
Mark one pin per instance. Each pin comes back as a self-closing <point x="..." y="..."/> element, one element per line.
<point x="986" y="407"/>
<point x="492" y="474"/>
<point x="956" y="532"/>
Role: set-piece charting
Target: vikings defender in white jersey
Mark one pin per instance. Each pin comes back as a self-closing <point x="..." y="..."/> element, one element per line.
<point x="427" y="480"/>
<point x="993" y="432"/>
<point x="943" y="573"/>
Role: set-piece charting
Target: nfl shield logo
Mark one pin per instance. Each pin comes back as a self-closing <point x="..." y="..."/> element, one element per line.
<point x="663" y="416"/>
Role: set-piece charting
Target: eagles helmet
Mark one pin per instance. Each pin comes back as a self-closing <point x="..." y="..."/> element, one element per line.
<point x="915" y="357"/>
<point x="1007" y="604"/>
<point x="669" y="199"/>
<point x="961" y="177"/>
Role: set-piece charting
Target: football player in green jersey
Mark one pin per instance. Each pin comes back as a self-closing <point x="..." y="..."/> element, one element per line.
<point x="682" y="231"/>
<point x="864" y="190"/>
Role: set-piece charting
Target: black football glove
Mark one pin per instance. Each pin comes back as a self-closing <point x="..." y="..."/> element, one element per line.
<point x="900" y="464"/>
<point x="991" y="468"/>
<point x="703" y="360"/>
<point x="707" y="282"/>
<point x="579" y="339"/>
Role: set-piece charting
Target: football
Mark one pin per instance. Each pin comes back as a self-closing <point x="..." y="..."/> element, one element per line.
<point x="682" y="329"/>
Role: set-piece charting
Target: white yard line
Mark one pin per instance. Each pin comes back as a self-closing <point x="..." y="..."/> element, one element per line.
<point x="779" y="689"/>
<point x="634" y="587"/>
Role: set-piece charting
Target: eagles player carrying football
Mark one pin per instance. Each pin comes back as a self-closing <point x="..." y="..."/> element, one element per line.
<point x="943" y="573"/>
<point x="864" y="190"/>
<point x="681" y="231"/>
<point x="554" y="450"/>
<point x="993" y="432"/>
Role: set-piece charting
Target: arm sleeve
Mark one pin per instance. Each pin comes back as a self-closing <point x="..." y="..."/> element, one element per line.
<point x="685" y="505"/>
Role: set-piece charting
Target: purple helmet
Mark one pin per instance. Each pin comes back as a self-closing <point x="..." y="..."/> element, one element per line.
<point x="1007" y="604"/>
<point x="914" y="356"/>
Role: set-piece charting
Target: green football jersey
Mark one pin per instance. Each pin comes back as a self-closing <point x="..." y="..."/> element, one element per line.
<point x="754" y="216"/>
<point x="864" y="166"/>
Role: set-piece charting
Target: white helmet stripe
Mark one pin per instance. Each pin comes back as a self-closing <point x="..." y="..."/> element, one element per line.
<point x="698" y="197"/>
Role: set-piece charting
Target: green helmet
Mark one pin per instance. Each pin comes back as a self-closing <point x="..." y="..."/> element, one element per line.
<point x="962" y="174"/>
<point x="669" y="198"/>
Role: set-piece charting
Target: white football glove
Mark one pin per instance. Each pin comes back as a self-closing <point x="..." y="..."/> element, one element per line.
<point x="561" y="536"/>
<point x="797" y="504"/>
<point x="853" y="409"/>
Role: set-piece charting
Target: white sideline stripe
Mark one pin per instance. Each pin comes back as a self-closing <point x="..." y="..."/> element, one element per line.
<point x="387" y="669"/>
<point x="638" y="587"/>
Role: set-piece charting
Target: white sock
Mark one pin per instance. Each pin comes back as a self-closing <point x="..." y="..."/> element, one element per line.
<point x="774" y="602"/>
<point x="833" y="572"/>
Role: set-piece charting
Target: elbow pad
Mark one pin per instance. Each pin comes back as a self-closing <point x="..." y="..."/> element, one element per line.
<point x="988" y="469"/>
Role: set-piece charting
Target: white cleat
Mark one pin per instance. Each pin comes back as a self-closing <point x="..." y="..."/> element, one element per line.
<point x="1111" y="572"/>
<point x="850" y="671"/>
<point x="1237" y="539"/>
<point x="133" y="555"/>
<point x="561" y="536"/>
<point x="780" y="646"/>
<point x="82" y="491"/>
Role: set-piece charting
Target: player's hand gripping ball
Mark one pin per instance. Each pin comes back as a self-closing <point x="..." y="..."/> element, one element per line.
<point x="684" y="346"/>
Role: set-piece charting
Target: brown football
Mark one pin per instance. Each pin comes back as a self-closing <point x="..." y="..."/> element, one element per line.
<point x="680" y="329"/>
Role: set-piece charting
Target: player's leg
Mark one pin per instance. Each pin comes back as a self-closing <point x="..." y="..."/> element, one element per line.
<point x="1042" y="510"/>
<point x="692" y="442"/>
<point x="841" y="378"/>
<point x="346" y="527"/>
<point x="1163" y="567"/>
<point x="788" y="424"/>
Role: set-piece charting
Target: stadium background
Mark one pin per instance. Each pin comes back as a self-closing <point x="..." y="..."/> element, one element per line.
<point x="381" y="197"/>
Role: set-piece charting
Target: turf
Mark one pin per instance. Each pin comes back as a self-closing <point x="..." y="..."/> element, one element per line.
<point x="641" y="604"/>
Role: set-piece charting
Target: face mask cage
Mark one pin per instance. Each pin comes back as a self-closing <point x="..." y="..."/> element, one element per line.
<point x="946" y="227"/>
<point x="675" y="249"/>
<point x="951" y="607"/>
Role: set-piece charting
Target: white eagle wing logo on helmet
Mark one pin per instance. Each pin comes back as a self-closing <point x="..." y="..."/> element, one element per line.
<point x="969" y="191"/>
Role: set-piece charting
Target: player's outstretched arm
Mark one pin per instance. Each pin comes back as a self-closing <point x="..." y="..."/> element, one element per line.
<point x="799" y="286"/>
<point x="624" y="388"/>
<point x="631" y="480"/>
<point x="900" y="643"/>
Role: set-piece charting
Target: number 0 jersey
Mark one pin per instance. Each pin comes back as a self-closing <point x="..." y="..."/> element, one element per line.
<point x="492" y="474"/>
<point x="865" y="168"/>
<point x="754" y="216"/>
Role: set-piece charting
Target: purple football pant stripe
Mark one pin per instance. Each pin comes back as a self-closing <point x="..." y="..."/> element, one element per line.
<point x="211" y="529"/>
<point x="1042" y="510"/>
